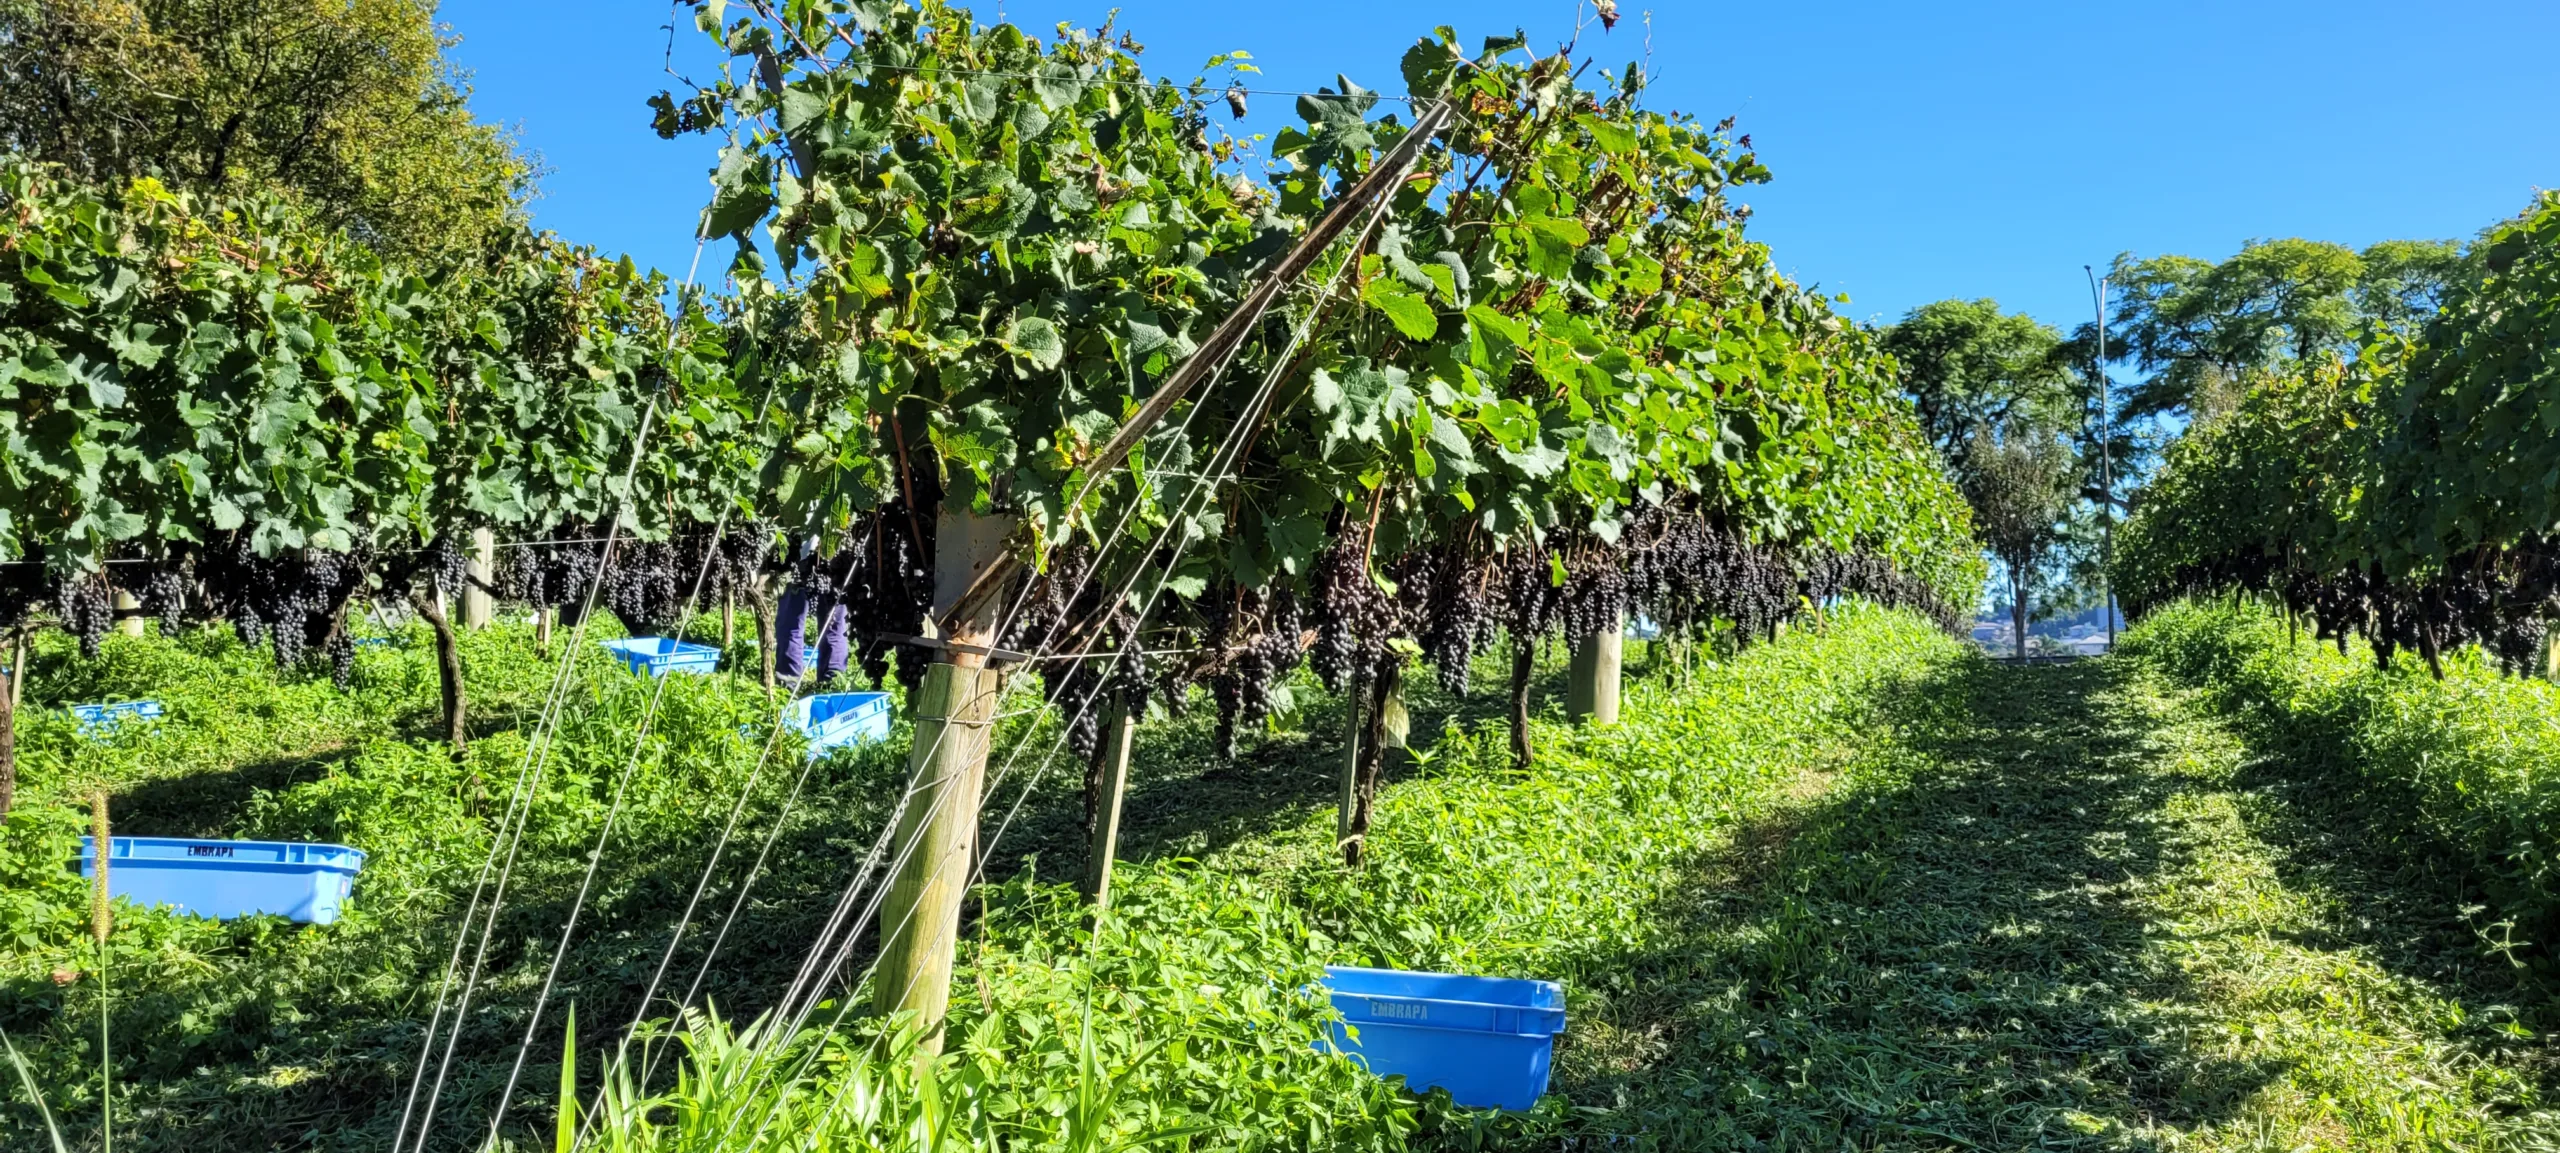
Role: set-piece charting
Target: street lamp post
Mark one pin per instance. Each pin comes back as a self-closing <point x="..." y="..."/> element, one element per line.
<point x="2106" y="462"/>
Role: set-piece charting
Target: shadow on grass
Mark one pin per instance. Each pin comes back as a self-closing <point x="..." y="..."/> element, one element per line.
<point x="1951" y="958"/>
<point x="208" y="803"/>
<point x="2404" y="898"/>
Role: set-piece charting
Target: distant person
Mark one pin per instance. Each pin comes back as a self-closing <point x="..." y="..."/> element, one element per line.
<point x="791" y="618"/>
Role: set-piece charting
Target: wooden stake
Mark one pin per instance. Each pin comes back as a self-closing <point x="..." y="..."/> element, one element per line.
<point x="1591" y="689"/>
<point x="1355" y="727"/>
<point x="1378" y="734"/>
<point x="128" y="614"/>
<point x="477" y="605"/>
<point x="8" y="739"/>
<point x="1119" y="739"/>
<point x="936" y="835"/>
<point x="1524" y="668"/>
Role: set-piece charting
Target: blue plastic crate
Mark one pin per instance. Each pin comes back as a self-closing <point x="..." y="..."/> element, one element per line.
<point x="1487" y="1040"/>
<point x="833" y="719"/>
<point x="105" y="720"/>
<point x="226" y="879"/>
<point x="658" y="656"/>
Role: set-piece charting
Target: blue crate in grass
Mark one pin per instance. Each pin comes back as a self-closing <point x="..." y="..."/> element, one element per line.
<point x="1487" y="1040"/>
<point x="226" y="879"/>
<point x="105" y="720"/>
<point x="658" y="656"/>
<point x="833" y="719"/>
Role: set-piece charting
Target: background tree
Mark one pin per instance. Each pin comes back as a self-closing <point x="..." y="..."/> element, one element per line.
<point x="1969" y="367"/>
<point x="2197" y="327"/>
<point x="2020" y="479"/>
<point x="346" y="106"/>
<point x="1980" y="378"/>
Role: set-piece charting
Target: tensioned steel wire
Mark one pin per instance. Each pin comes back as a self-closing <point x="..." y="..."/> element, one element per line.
<point x="1220" y="474"/>
<point x="702" y="886"/>
<point x="871" y="863"/>
<point x="1232" y="447"/>
<point x="800" y="1000"/>
<point x="872" y="859"/>
<point x="595" y="856"/>
<point x="510" y="834"/>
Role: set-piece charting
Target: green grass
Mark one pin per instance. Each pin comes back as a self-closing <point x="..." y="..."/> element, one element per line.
<point x="2467" y="767"/>
<point x="1855" y="889"/>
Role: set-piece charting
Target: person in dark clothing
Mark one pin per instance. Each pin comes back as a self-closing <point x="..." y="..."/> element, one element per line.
<point x="791" y="618"/>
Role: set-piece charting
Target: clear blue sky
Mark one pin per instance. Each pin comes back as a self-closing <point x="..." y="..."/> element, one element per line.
<point x="1922" y="151"/>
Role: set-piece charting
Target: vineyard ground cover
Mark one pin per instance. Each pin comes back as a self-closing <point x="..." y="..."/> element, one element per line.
<point x="2461" y="776"/>
<point x="1853" y="887"/>
<point x="255" y="1035"/>
<point x="2063" y="906"/>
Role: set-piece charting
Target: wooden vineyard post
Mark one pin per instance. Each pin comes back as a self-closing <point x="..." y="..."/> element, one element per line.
<point x="931" y="851"/>
<point x="1355" y="727"/>
<point x="1591" y="689"/>
<point x="128" y="614"/>
<point x="1377" y="731"/>
<point x="9" y="738"/>
<point x="1524" y="668"/>
<point x="477" y="605"/>
<point x="1111" y="783"/>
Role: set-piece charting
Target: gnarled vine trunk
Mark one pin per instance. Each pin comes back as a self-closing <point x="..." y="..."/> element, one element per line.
<point x="448" y="668"/>
<point x="1379" y="727"/>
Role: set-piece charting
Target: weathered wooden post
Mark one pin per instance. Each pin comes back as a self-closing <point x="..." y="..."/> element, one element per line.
<point x="128" y="614"/>
<point x="477" y="605"/>
<point x="1591" y="689"/>
<point x="931" y="850"/>
<point x="1119" y="736"/>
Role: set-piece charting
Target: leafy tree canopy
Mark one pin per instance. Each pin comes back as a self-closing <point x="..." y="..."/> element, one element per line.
<point x="2020" y="479"/>
<point x="346" y="106"/>
<point x="2197" y="327"/>
<point x="1969" y="367"/>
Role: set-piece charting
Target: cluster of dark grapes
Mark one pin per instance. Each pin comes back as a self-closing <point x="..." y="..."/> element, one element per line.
<point x="644" y="587"/>
<point x="87" y="605"/>
<point x="881" y="571"/>
<point x="1453" y="597"/>
<point x="23" y="586"/>
<point x="164" y="590"/>
<point x="1595" y="590"/>
<point x="293" y="601"/>
<point x="1531" y="602"/>
<point x="1352" y="617"/>
<point x="448" y="564"/>
<point x="2499" y="602"/>
<point x="557" y="571"/>
<point x="1054" y="611"/>
<point x="1259" y="638"/>
<point x="729" y="561"/>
